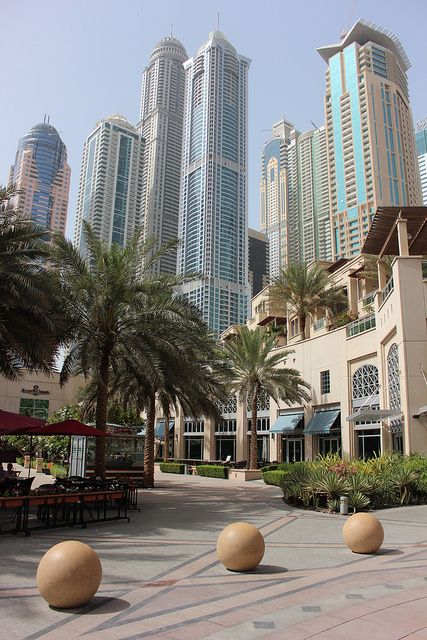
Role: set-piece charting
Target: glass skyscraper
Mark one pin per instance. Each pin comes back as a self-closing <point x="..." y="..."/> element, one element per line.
<point x="213" y="203"/>
<point x="295" y="196"/>
<point x="161" y="117"/>
<point x="42" y="177"/>
<point x="421" y="142"/>
<point x="369" y="132"/>
<point x="110" y="182"/>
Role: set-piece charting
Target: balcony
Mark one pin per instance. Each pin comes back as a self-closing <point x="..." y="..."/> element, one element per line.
<point x="360" y="326"/>
<point x="319" y="324"/>
<point x="387" y="289"/>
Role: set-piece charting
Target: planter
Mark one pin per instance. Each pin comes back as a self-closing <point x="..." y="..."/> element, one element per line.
<point x="244" y="475"/>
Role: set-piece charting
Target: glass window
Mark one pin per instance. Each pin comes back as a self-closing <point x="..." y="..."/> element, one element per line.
<point x="325" y="382"/>
<point x="34" y="408"/>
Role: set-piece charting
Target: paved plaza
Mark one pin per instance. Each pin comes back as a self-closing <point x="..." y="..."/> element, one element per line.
<point x="162" y="579"/>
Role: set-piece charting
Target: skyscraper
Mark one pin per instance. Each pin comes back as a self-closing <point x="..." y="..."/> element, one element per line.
<point x="110" y="182"/>
<point x="258" y="261"/>
<point x="161" y="116"/>
<point x="295" y="196"/>
<point x="421" y="143"/>
<point x="369" y="130"/>
<point x="213" y="203"/>
<point x="313" y="196"/>
<point x="279" y="196"/>
<point x="42" y="177"/>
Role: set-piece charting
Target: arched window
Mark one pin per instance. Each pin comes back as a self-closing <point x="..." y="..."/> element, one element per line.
<point x="365" y="393"/>
<point x="366" y="383"/>
<point x="394" y="396"/>
<point x="393" y="377"/>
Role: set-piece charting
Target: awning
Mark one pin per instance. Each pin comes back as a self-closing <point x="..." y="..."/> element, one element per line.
<point x="374" y="415"/>
<point x="159" y="431"/>
<point x="287" y="422"/>
<point x="322" y="421"/>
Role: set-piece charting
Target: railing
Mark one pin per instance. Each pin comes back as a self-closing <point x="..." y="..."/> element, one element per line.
<point x="319" y="324"/>
<point x="359" y="326"/>
<point x="369" y="298"/>
<point x="387" y="289"/>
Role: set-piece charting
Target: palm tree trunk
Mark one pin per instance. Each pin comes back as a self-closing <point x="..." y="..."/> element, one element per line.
<point x="302" y="323"/>
<point x="101" y="412"/>
<point x="149" y="442"/>
<point x="166" y="443"/>
<point x="253" y="459"/>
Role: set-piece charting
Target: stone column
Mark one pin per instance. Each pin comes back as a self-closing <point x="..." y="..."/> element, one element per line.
<point x="402" y="237"/>
<point x="352" y="296"/>
<point x="209" y="449"/>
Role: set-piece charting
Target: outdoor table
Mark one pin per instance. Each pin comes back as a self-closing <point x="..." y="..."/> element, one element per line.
<point x="45" y="510"/>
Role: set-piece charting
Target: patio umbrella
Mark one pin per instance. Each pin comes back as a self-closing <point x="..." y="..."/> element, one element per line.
<point x="13" y="423"/>
<point x="68" y="428"/>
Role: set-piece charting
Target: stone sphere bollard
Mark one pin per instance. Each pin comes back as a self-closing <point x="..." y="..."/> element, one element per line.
<point x="363" y="533"/>
<point x="69" y="574"/>
<point x="240" y="547"/>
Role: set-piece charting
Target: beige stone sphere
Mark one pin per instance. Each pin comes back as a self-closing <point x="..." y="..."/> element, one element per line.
<point x="69" y="574"/>
<point x="363" y="533"/>
<point x="240" y="547"/>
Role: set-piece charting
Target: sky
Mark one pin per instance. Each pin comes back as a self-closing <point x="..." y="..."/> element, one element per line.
<point x="81" y="60"/>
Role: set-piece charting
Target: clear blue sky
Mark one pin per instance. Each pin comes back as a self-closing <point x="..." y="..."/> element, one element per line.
<point x="80" y="60"/>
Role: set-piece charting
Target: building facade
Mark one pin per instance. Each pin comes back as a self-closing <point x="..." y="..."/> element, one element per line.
<point x="258" y="261"/>
<point x="369" y="131"/>
<point x="367" y="368"/>
<point x="421" y="145"/>
<point x="313" y="197"/>
<point x="213" y="203"/>
<point x="110" y="182"/>
<point x="294" y="196"/>
<point x="161" y="121"/>
<point x="279" y="196"/>
<point x="41" y="175"/>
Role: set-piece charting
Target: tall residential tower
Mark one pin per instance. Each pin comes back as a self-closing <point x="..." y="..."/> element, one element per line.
<point x="161" y="116"/>
<point x="110" y="182"/>
<point x="42" y="177"/>
<point x="369" y="131"/>
<point x="213" y="205"/>
<point x="421" y="142"/>
<point x="295" y="196"/>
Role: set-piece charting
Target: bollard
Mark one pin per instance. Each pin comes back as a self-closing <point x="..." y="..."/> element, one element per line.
<point x="343" y="505"/>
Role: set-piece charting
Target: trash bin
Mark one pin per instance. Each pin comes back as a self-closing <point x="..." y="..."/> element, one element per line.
<point x="344" y="505"/>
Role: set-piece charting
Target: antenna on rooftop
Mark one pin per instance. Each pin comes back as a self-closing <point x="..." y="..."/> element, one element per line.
<point x="314" y="125"/>
<point x="217" y="21"/>
<point x="171" y="30"/>
<point x="347" y="26"/>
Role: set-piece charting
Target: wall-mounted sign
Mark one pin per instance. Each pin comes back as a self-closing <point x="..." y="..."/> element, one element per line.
<point x="35" y="391"/>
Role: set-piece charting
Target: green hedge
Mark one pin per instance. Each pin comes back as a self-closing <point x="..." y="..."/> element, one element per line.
<point x="274" y="477"/>
<point x="212" y="471"/>
<point x="172" y="467"/>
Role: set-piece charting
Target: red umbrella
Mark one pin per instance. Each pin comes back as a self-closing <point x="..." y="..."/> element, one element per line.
<point x="67" y="428"/>
<point x="13" y="423"/>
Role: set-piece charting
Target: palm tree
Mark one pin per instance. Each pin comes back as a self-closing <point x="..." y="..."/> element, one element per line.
<point x="253" y="369"/>
<point x="116" y="310"/>
<point x="30" y="322"/>
<point x="370" y="267"/>
<point x="305" y="289"/>
<point x="173" y="366"/>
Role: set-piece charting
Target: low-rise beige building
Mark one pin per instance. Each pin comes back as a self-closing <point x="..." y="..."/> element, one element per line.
<point x="366" y="366"/>
<point x="38" y="394"/>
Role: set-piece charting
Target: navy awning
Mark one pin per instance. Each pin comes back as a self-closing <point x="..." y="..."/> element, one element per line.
<point x="159" y="431"/>
<point x="322" y="421"/>
<point x="287" y="422"/>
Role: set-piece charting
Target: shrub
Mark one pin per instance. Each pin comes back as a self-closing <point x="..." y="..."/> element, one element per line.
<point x="270" y="467"/>
<point x="212" y="471"/>
<point x="274" y="477"/>
<point x="172" y="467"/>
